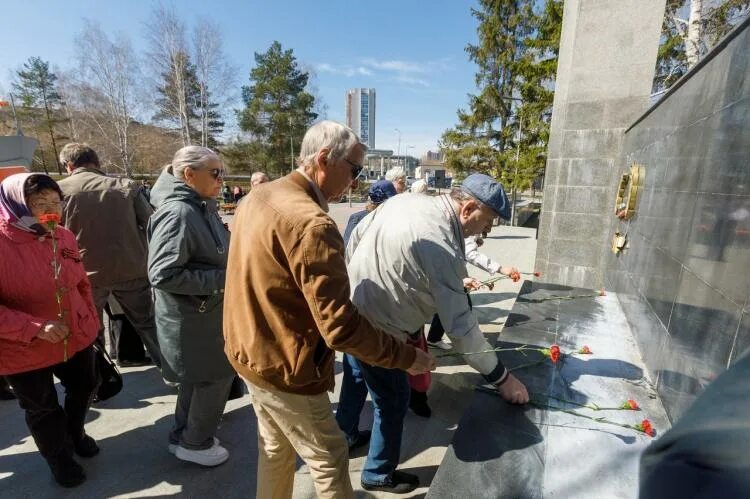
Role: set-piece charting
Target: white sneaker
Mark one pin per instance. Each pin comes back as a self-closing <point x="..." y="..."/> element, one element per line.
<point x="213" y="456"/>
<point x="173" y="447"/>
<point x="440" y="344"/>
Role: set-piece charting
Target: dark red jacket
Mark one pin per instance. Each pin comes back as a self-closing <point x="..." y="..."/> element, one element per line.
<point x="27" y="299"/>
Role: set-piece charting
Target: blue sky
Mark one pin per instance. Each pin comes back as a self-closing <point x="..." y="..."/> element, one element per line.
<point x="410" y="51"/>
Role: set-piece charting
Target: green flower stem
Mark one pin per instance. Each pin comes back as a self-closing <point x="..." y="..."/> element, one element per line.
<point x="592" y="418"/>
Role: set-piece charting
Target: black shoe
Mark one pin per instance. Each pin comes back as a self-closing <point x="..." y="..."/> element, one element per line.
<point x="398" y="483"/>
<point x="6" y="393"/>
<point x="363" y="438"/>
<point x="146" y="361"/>
<point x="86" y="447"/>
<point x="418" y="404"/>
<point x="67" y="472"/>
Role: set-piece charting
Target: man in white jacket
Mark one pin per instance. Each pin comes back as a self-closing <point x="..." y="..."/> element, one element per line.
<point x="403" y="269"/>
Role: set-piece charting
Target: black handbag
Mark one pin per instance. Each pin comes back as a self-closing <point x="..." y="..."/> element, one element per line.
<point x="110" y="378"/>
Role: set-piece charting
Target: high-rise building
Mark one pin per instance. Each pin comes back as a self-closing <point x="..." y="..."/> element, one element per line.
<point x="360" y="114"/>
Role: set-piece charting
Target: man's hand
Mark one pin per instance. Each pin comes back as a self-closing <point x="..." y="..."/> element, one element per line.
<point x="423" y="362"/>
<point x="513" y="391"/>
<point x="511" y="272"/>
<point x="472" y="284"/>
<point x="53" y="331"/>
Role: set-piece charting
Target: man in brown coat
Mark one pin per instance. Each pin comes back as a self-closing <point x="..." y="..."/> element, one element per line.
<point x="109" y="215"/>
<point x="287" y="309"/>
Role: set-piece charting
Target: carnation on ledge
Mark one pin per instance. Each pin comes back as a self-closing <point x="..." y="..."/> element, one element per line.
<point x="630" y="404"/>
<point x="645" y="427"/>
<point x="553" y="352"/>
<point x="585" y="350"/>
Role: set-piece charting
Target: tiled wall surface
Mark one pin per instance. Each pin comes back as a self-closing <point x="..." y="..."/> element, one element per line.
<point x="684" y="279"/>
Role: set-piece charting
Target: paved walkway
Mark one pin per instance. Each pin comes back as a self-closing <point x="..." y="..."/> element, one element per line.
<point x="132" y="427"/>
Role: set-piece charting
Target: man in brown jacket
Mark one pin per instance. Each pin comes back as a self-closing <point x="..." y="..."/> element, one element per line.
<point x="109" y="215"/>
<point x="287" y="309"/>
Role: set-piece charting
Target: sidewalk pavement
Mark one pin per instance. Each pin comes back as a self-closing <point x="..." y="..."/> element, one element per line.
<point x="132" y="428"/>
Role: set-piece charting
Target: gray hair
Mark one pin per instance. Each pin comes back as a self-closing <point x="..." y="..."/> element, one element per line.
<point x="195" y="157"/>
<point x="460" y="196"/>
<point x="258" y="176"/>
<point x="335" y="137"/>
<point x="419" y="187"/>
<point x="395" y="173"/>
<point x="79" y="154"/>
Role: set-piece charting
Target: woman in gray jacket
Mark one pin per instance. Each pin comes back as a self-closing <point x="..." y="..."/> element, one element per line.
<point x="187" y="261"/>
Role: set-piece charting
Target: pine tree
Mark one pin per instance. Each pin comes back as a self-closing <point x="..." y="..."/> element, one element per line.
<point x="35" y="85"/>
<point x="517" y="59"/>
<point x="278" y="109"/>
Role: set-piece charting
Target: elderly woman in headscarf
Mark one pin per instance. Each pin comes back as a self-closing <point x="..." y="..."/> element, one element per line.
<point x="48" y="322"/>
<point x="379" y="192"/>
<point x="187" y="262"/>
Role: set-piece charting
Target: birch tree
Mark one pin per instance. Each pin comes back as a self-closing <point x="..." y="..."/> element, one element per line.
<point x="109" y="76"/>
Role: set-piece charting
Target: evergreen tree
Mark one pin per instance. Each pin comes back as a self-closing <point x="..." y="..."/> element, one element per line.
<point x="278" y="109"/>
<point x="517" y="59"/>
<point x="35" y="85"/>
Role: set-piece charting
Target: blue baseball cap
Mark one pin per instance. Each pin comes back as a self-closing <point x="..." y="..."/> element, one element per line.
<point x="381" y="190"/>
<point x="489" y="191"/>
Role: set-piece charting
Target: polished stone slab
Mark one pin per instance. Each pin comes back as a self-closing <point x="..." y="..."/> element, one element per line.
<point x="501" y="450"/>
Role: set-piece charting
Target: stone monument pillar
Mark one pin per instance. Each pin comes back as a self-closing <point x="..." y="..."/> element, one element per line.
<point x="604" y="75"/>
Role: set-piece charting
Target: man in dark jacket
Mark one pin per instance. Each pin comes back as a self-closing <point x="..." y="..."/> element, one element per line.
<point x="109" y="216"/>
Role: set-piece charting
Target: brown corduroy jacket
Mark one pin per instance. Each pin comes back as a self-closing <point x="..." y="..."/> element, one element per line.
<point x="286" y="304"/>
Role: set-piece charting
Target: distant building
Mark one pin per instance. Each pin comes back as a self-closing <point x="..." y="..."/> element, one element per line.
<point x="360" y="114"/>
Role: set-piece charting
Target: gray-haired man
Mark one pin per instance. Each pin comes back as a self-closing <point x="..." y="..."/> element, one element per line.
<point x="403" y="270"/>
<point x="109" y="216"/>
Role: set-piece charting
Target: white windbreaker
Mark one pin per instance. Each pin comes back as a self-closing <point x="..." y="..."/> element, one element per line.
<point x="406" y="262"/>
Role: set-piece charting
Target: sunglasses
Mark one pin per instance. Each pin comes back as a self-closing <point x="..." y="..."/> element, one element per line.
<point x="356" y="169"/>
<point x="217" y="173"/>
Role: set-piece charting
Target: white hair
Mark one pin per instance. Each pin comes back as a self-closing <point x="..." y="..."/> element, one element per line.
<point x="395" y="173"/>
<point x="258" y="177"/>
<point x="419" y="187"/>
<point x="335" y="137"/>
<point x="195" y="157"/>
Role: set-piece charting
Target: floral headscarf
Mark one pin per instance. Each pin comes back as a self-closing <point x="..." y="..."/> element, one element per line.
<point x="13" y="207"/>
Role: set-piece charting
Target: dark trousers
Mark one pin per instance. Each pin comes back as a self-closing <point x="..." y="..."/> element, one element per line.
<point x="436" y="327"/>
<point x="124" y="342"/>
<point x="55" y="428"/>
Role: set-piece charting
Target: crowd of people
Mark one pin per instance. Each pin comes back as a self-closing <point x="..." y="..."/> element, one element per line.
<point x="271" y="306"/>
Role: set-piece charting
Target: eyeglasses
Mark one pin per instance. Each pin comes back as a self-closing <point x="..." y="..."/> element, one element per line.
<point x="217" y="173"/>
<point x="356" y="169"/>
<point x="52" y="205"/>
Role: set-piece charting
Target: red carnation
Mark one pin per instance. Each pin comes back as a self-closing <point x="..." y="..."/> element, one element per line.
<point x="554" y="353"/>
<point x="585" y="350"/>
<point x="602" y="293"/>
<point x="645" y="427"/>
<point x="631" y="405"/>
<point x="537" y="273"/>
<point x="515" y="276"/>
<point x="50" y="219"/>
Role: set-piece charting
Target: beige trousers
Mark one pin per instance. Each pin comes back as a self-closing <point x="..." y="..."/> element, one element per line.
<point x="289" y="423"/>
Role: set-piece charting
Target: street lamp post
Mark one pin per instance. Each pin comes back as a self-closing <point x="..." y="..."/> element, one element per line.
<point x="398" y="151"/>
<point x="406" y="153"/>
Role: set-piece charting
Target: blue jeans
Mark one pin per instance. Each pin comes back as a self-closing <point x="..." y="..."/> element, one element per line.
<point x="389" y="389"/>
